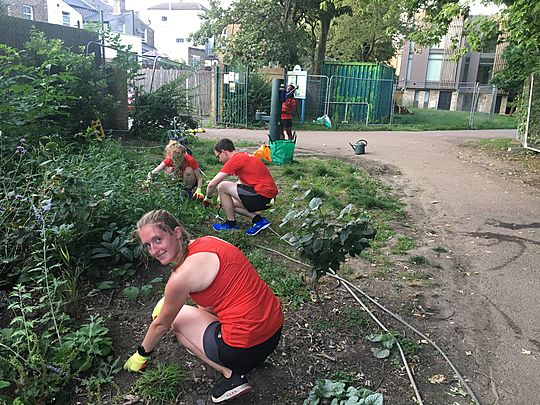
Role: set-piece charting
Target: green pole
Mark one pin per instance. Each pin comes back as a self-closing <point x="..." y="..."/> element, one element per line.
<point x="275" y="111"/>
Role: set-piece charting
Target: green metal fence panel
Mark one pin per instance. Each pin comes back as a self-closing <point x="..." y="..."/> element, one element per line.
<point x="359" y="92"/>
<point x="231" y="90"/>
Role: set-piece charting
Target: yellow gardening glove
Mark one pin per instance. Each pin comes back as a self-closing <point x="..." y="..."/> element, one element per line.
<point x="198" y="195"/>
<point x="157" y="308"/>
<point x="136" y="362"/>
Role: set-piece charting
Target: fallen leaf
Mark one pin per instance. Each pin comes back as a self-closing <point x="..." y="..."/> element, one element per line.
<point x="524" y="351"/>
<point x="437" y="379"/>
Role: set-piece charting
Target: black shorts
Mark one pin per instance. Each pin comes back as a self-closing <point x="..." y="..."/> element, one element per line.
<point x="286" y="123"/>
<point x="251" y="200"/>
<point x="239" y="360"/>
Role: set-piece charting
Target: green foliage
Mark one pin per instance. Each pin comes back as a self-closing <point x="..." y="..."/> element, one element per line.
<point x="154" y="111"/>
<point x="161" y="384"/>
<point x="324" y="239"/>
<point x="377" y="39"/>
<point x="387" y="341"/>
<point x="337" y="393"/>
<point x="403" y="244"/>
<point x="259" y="95"/>
<point x="86" y="347"/>
<point x="49" y="90"/>
<point x="134" y="292"/>
<point x="271" y="32"/>
<point x="286" y="285"/>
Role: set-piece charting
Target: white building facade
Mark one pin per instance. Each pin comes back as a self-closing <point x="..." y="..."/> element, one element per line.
<point x="172" y="23"/>
<point x="63" y="14"/>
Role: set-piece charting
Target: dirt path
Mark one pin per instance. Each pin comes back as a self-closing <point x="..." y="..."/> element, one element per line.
<point x="491" y="222"/>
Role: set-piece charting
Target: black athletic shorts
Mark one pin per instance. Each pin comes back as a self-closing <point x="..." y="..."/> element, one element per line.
<point x="251" y="200"/>
<point x="286" y="123"/>
<point x="239" y="360"/>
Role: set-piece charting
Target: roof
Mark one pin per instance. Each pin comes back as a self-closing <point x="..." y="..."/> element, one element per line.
<point x="178" y="6"/>
<point x="93" y="5"/>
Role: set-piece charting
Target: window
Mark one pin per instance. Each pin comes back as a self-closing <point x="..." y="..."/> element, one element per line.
<point x="66" y="18"/>
<point x="434" y="66"/>
<point x="179" y="40"/>
<point x="123" y="28"/>
<point x="485" y="69"/>
<point x="409" y="66"/>
<point x="27" y="12"/>
<point x="465" y="69"/>
<point x="163" y="18"/>
<point x="144" y="33"/>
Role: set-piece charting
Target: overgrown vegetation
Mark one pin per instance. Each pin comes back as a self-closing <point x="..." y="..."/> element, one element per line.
<point x="69" y="206"/>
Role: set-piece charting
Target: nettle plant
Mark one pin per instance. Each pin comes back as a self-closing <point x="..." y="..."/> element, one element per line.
<point x="324" y="239"/>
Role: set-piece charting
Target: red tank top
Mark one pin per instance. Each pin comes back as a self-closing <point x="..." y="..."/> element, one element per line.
<point x="246" y="307"/>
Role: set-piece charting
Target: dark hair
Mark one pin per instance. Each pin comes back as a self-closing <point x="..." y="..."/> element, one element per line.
<point x="224" y="144"/>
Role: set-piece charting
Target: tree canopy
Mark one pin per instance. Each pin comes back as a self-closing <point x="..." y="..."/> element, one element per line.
<point x="290" y="32"/>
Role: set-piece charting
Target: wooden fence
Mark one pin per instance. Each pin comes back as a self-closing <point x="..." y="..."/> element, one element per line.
<point x="198" y="82"/>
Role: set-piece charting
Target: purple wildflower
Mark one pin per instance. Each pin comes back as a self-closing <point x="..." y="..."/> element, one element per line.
<point x="37" y="214"/>
<point x="20" y="150"/>
<point x="22" y="140"/>
<point x="47" y="206"/>
<point x="18" y="197"/>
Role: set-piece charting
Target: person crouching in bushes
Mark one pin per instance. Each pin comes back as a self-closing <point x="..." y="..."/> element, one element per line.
<point x="181" y="166"/>
<point x="238" y="321"/>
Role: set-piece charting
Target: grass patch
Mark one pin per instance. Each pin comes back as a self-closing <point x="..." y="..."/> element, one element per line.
<point x="423" y="120"/>
<point x="403" y="245"/>
<point x="161" y="384"/>
<point x="286" y="284"/>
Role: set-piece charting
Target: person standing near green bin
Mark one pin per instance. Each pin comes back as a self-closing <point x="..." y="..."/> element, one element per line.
<point x="249" y="196"/>
<point x="287" y="110"/>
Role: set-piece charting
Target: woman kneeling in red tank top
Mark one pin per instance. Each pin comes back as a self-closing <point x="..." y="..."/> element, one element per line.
<point x="238" y="321"/>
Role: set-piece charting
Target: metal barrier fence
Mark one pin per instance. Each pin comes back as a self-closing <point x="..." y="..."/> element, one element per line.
<point x="531" y="133"/>
<point x="348" y="100"/>
<point x="230" y="96"/>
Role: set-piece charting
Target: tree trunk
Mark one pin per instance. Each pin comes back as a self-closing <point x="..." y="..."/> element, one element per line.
<point x="321" y="48"/>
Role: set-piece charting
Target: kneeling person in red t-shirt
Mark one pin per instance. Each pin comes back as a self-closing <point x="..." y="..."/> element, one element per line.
<point x="249" y="196"/>
<point x="237" y="323"/>
<point x="181" y="166"/>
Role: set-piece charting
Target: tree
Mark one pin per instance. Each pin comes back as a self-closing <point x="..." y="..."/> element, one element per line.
<point x="371" y="34"/>
<point x="268" y="32"/>
<point x="319" y="14"/>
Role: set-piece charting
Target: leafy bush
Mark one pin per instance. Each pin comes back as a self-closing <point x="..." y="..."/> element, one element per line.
<point x="324" y="239"/>
<point x="154" y="111"/>
<point x="259" y="96"/>
<point x="47" y="90"/>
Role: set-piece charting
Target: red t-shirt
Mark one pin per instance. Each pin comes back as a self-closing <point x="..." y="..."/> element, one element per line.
<point x="251" y="171"/>
<point x="287" y="108"/>
<point x="248" y="310"/>
<point x="188" y="161"/>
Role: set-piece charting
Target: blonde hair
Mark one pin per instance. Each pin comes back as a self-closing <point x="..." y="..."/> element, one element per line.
<point x="176" y="152"/>
<point x="167" y="222"/>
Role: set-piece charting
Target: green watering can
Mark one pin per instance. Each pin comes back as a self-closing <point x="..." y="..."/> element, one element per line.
<point x="360" y="147"/>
